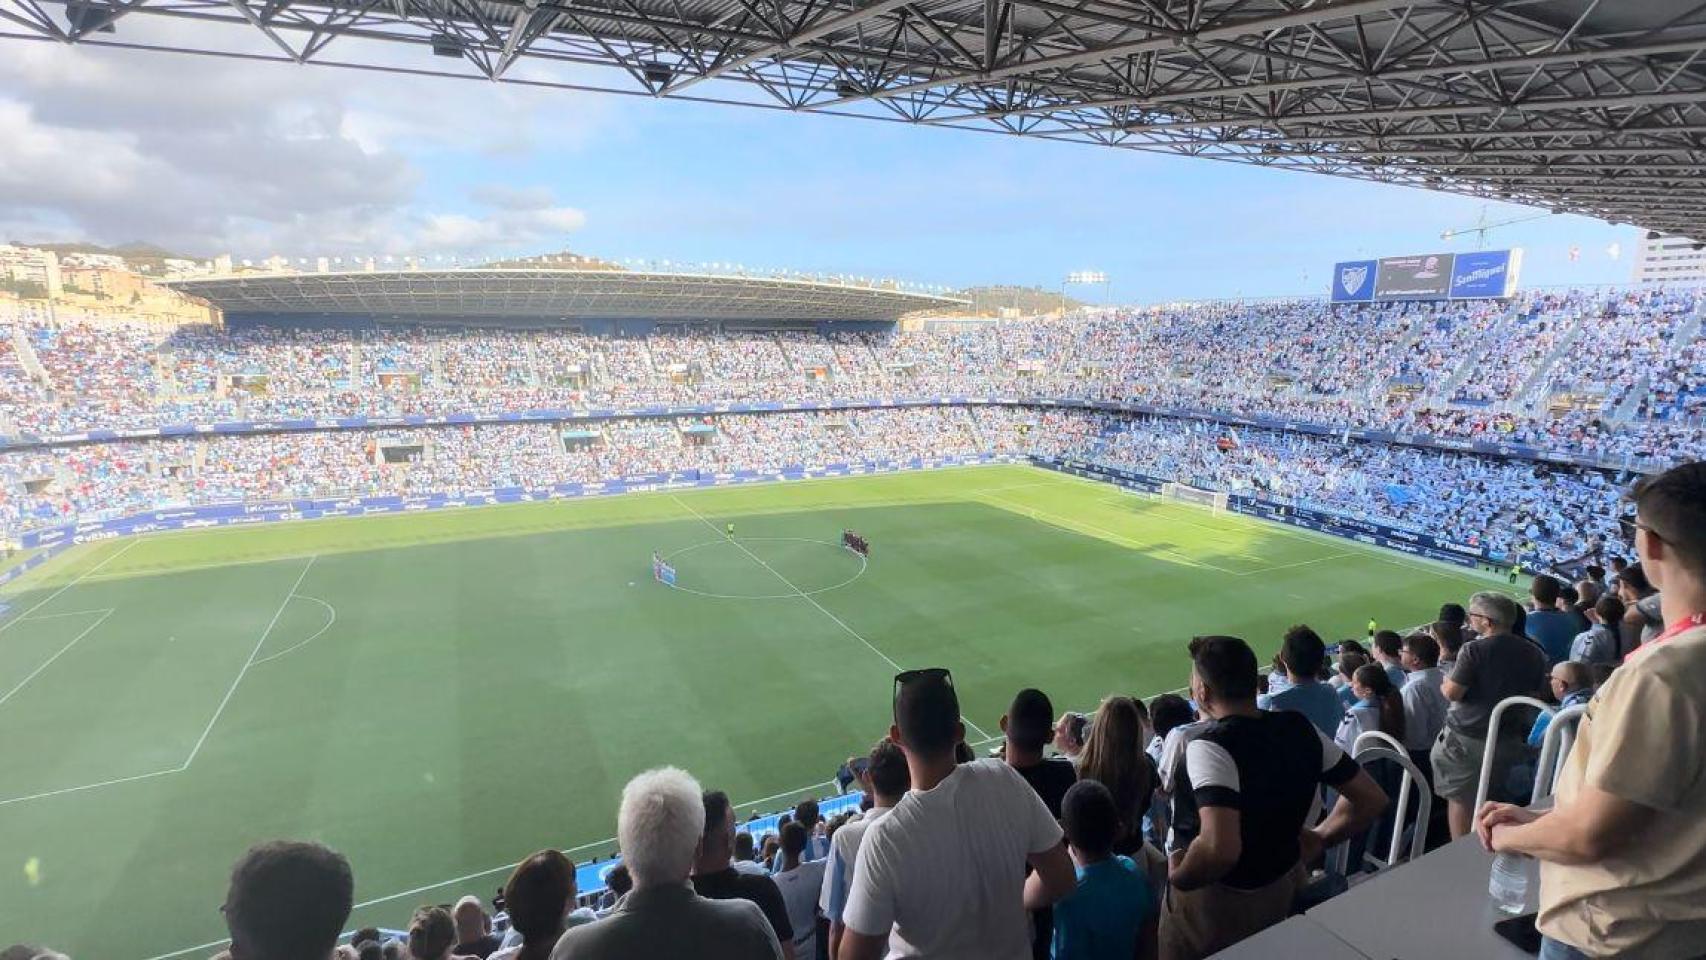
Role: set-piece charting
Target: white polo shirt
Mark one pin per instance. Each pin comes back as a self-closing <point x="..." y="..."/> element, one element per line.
<point x="944" y="873"/>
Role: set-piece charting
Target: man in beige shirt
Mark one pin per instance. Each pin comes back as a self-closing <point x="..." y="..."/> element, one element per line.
<point x="1623" y="851"/>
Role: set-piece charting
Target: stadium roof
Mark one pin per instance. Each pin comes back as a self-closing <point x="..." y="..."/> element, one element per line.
<point x="558" y="294"/>
<point x="1586" y="106"/>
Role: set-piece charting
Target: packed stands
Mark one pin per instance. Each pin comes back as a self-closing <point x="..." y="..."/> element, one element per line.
<point x="1565" y="370"/>
<point x="1510" y="507"/>
<point x="1615" y="376"/>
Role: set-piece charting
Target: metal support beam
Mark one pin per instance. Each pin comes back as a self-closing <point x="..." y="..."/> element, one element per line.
<point x="823" y="28"/>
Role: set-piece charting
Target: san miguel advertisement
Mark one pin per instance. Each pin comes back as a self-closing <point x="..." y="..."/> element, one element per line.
<point x="1483" y="274"/>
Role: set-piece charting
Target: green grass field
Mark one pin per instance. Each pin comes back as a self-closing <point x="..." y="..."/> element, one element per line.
<point x="438" y="695"/>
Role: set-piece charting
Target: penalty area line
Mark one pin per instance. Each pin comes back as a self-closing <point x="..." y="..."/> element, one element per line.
<point x="220" y="710"/>
<point x="61" y="652"/>
<point x="80" y="578"/>
<point x="333" y="618"/>
<point x="200" y="741"/>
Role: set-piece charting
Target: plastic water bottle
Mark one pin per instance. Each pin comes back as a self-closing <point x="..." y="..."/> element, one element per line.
<point x="1509" y="884"/>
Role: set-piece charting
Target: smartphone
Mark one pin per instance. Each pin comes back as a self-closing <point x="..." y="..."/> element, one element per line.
<point x="1521" y="932"/>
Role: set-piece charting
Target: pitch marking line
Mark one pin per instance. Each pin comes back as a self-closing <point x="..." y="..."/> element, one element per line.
<point x="71" y="613"/>
<point x="62" y="651"/>
<point x="214" y="944"/>
<point x="331" y="619"/>
<point x="249" y="662"/>
<point x="217" y="713"/>
<point x="90" y="786"/>
<point x="813" y="601"/>
<point x="1300" y="563"/>
<point x="1054" y="520"/>
<point x="80" y="578"/>
<point x="863" y="563"/>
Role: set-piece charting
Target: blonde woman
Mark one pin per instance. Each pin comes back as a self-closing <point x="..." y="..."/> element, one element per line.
<point x="1114" y="755"/>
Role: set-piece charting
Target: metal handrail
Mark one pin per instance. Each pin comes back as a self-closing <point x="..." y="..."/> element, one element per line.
<point x="1493" y="739"/>
<point x="1555" y="749"/>
<point x="1375" y="745"/>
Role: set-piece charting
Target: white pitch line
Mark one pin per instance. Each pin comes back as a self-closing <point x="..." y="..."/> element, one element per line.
<point x="312" y="637"/>
<point x="80" y="578"/>
<point x="248" y="663"/>
<point x="1055" y="520"/>
<point x="71" y="613"/>
<point x="1019" y="486"/>
<point x="1300" y="563"/>
<point x="813" y="601"/>
<point x="49" y="661"/>
<point x="90" y="786"/>
<point x="180" y="768"/>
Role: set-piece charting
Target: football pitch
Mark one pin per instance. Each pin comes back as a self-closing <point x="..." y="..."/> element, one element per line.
<point x="437" y="695"/>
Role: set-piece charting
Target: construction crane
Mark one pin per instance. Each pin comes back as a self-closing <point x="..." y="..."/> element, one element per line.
<point x="1481" y="227"/>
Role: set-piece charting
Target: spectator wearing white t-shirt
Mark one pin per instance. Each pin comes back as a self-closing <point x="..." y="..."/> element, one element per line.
<point x="884" y="778"/>
<point x="942" y="876"/>
<point x="800" y="882"/>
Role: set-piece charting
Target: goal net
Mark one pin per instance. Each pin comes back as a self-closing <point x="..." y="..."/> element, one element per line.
<point x="1215" y="500"/>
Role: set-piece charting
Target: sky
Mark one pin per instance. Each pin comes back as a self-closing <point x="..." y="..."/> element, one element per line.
<point x="208" y="156"/>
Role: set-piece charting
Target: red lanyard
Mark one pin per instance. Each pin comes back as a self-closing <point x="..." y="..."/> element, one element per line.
<point x="1672" y="632"/>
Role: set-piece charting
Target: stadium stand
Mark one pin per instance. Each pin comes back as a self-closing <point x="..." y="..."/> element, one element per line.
<point x="1582" y="386"/>
<point x="1550" y="369"/>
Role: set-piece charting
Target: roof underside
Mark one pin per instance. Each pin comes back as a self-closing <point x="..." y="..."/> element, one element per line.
<point x="1586" y="106"/>
<point x="555" y="294"/>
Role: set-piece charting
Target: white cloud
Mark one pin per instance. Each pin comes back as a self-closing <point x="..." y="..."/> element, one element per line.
<point x="505" y="197"/>
<point x="514" y="230"/>
<point x="210" y="155"/>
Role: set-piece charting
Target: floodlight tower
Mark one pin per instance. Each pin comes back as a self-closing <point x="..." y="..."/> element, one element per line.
<point x="1084" y="278"/>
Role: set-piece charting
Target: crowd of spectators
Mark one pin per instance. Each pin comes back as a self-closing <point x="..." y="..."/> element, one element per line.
<point x="102" y="480"/>
<point x="1553" y="370"/>
<point x="1543" y="515"/>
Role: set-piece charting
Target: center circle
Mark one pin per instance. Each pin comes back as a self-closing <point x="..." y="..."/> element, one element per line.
<point x="754" y="568"/>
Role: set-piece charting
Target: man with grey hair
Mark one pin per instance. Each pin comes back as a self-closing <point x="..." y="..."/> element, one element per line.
<point x="1495" y="665"/>
<point x="474" y="937"/>
<point x="659" y="826"/>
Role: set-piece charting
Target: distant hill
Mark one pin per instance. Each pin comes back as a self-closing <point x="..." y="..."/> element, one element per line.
<point x="137" y="255"/>
<point x="1025" y="300"/>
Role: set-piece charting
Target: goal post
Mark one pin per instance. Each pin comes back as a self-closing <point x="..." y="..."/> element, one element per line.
<point x="1215" y="500"/>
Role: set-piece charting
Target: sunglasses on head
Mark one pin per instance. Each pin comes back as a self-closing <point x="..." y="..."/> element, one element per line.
<point x="926" y="675"/>
<point x="1629" y="525"/>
